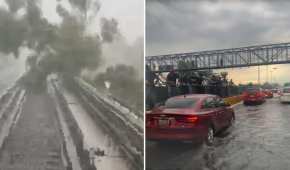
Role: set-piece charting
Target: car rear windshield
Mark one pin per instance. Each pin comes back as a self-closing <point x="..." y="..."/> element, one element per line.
<point x="181" y="103"/>
<point x="286" y="90"/>
<point x="252" y="90"/>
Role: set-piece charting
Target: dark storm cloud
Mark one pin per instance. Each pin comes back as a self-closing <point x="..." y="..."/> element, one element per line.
<point x="179" y="26"/>
<point x="12" y="31"/>
<point x="109" y="29"/>
<point x="15" y="5"/>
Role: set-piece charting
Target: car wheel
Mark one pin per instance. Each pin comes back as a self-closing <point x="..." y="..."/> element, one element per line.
<point x="210" y="136"/>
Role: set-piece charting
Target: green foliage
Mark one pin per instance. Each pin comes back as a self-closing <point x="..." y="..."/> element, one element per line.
<point x="12" y="31"/>
<point x="109" y="29"/>
<point x="124" y="84"/>
<point x="64" y="48"/>
<point x="287" y="84"/>
<point x="73" y="50"/>
<point x="15" y="5"/>
<point x="183" y="65"/>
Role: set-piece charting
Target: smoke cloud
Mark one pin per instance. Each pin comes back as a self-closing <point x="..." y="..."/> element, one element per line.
<point x="109" y="29"/>
<point x="12" y="32"/>
<point x="15" y="5"/>
<point x="69" y="48"/>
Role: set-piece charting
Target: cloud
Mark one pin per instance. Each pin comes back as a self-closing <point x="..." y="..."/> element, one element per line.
<point x="189" y="26"/>
<point x="109" y="29"/>
<point x="181" y="26"/>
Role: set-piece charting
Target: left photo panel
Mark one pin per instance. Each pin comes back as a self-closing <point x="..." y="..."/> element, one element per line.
<point x="71" y="84"/>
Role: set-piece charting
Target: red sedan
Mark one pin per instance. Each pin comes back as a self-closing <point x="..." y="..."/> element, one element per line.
<point x="190" y="117"/>
<point x="254" y="96"/>
<point x="268" y="93"/>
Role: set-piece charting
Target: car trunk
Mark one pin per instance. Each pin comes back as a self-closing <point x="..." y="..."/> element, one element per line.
<point x="170" y="118"/>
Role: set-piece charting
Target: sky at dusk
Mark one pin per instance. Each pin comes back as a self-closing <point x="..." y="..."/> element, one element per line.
<point x="189" y="26"/>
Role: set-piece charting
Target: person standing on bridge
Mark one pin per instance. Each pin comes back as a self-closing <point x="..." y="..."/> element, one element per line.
<point x="184" y="81"/>
<point x="171" y="80"/>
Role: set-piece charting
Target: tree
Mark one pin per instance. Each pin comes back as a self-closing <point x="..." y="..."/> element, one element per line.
<point x="66" y="48"/>
<point x="287" y="84"/>
<point x="124" y="82"/>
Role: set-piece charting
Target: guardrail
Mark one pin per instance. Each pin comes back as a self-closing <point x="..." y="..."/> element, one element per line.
<point x="76" y="157"/>
<point x="125" y="127"/>
<point x="10" y="110"/>
<point x="233" y="99"/>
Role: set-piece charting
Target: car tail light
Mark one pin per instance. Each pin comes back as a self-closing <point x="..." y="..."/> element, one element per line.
<point x="150" y="122"/>
<point x="192" y="119"/>
<point x="187" y="119"/>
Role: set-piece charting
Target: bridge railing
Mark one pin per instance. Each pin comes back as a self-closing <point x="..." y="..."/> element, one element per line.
<point x="225" y="58"/>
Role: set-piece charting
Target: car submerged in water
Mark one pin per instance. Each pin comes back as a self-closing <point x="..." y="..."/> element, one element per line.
<point x="254" y="95"/>
<point x="196" y="117"/>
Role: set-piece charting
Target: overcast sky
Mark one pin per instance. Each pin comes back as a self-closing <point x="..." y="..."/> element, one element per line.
<point x="185" y="26"/>
<point x="128" y="13"/>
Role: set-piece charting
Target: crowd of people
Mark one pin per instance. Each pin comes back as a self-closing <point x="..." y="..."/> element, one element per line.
<point x="189" y="82"/>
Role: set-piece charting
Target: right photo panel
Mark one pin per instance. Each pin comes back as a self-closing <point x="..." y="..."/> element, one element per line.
<point x="217" y="85"/>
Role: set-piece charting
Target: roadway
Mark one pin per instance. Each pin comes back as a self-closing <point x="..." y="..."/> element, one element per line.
<point x="258" y="140"/>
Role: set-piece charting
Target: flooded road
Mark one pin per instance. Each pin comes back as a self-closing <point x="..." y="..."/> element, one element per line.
<point x="259" y="140"/>
<point x="95" y="137"/>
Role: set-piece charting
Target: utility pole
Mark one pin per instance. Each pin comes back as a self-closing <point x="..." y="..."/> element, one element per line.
<point x="267" y="73"/>
<point x="271" y="81"/>
<point x="273" y="71"/>
<point x="259" y="82"/>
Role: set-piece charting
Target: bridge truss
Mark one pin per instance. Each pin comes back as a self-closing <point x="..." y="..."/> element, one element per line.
<point x="219" y="59"/>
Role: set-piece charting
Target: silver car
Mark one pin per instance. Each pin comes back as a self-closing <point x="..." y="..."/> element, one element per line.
<point x="285" y="95"/>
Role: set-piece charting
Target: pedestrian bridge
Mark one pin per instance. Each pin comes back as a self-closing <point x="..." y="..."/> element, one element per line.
<point x="219" y="59"/>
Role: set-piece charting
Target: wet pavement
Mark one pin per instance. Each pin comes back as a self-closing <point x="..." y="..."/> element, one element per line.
<point x="35" y="141"/>
<point x="259" y="139"/>
<point x="96" y="137"/>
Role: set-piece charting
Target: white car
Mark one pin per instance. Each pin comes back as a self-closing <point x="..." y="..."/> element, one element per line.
<point x="285" y="95"/>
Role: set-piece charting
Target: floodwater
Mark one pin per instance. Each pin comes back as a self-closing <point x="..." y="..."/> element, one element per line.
<point x="258" y="140"/>
<point x="96" y="137"/>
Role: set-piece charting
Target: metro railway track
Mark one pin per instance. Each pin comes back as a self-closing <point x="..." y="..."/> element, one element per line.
<point x="128" y="135"/>
<point x="10" y="108"/>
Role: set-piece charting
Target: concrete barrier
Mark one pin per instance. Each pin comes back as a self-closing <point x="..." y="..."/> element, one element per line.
<point x="76" y="156"/>
<point x="233" y="99"/>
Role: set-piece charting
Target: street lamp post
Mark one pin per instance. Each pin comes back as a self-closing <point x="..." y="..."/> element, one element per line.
<point x="271" y="81"/>
<point x="267" y="73"/>
<point x="273" y="69"/>
<point x="259" y="82"/>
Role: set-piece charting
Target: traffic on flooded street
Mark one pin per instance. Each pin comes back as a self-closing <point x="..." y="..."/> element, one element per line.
<point x="259" y="139"/>
<point x="206" y="120"/>
<point x="217" y="85"/>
